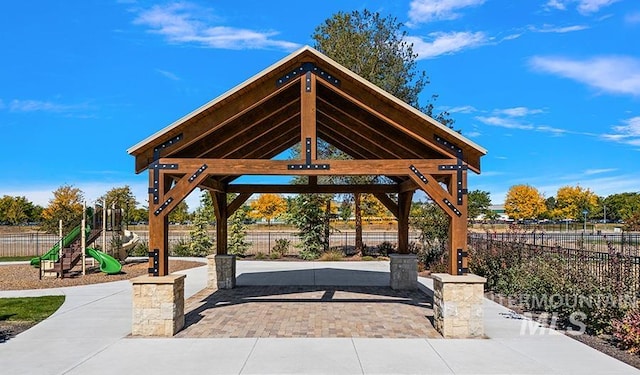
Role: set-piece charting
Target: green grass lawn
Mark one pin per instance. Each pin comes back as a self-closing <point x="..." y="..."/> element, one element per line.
<point x="29" y="309"/>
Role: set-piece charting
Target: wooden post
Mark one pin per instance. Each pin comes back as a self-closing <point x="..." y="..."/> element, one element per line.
<point x="404" y="207"/>
<point x="308" y="117"/>
<point x="220" y="206"/>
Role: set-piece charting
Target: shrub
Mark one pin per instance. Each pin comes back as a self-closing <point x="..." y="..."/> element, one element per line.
<point x="180" y="249"/>
<point x="367" y="258"/>
<point x="386" y="248"/>
<point x="332" y="256"/>
<point x="140" y="250"/>
<point x="260" y="256"/>
<point x="281" y="248"/>
<point x="627" y="331"/>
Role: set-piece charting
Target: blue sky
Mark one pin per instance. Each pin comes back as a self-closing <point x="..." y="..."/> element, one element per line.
<point x="550" y="87"/>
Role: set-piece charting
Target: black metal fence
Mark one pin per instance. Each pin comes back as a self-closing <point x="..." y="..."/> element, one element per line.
<point x="37" y="243"/>
<point x="601" y="256"/>
<point x="627" y="243"/>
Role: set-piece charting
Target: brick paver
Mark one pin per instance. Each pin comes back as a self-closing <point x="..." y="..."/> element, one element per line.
<point x="314" y="311"/>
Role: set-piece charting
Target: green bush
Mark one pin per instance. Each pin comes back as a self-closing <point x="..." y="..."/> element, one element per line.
<point x="386" y="248"/>
<point x="260" y="256"/>
<point x="281" y="248"/>
<point x="140" y="250"/>
<point x="180" y="249"/>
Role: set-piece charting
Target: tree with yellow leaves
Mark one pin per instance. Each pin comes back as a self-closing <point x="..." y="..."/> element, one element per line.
<point x="524" y="202"/>
<point x="66" y="205"/>
<point x="268" y="207"/>
<point x="571" y="201"/>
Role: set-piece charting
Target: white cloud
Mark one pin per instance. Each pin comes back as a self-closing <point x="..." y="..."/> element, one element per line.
<point x="41" y="106"/>
<point x="184" y="23"/>
<point x="473" y="134"/>
<point x="613" y="74"/>
<point x="593" y="6"/>
<point x="446" y="43"/>
<point x="168" y="74"/>
<point x="518" y="111"/>
<point x="629" y="133"/>
<point x="429" y="10"/>
<point x="546" y="28"/>
<point x="584" y="7"/>
<point x="503" y="122"/>
<point x="632" y="18"/>
<point x="462" y="109"/>
<point x="590" y="172"/>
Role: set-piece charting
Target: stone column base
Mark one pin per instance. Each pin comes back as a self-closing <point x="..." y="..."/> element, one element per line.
<point x="221" y="270"/>
<point x="457" y="305"/>
<point x="404" y="271"/>
<point x="158" y="305"/>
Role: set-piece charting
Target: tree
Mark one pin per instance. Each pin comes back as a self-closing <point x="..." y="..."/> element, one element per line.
<point x="66" y="205"/>
<point x="375" y="48"/>
<point x="524" y="202"/>
<point x="120" y="197"/>
<point x="306" y="213"/>
<point x="433" y="225"/>
<point x="180" y="213"/>
<point x="200" y="244"/>
<point x="268" y="206"/>
<point x="139" y="215"/>
<point x="18" y="210"/>
<point x="622" y="206"/>
<point x="206" y="207"/>
<point x="237" y="229"/>
<point x="571" y="201"/>
<point x="478" y="203"/>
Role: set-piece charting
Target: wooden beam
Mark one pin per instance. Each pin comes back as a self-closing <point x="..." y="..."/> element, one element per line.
<point x="408" y="185"/>
<point x="389" y="203"/>
<point x="169" y="200"/>
<point x="203" y="123"/>
<point x="301" y="189"/>
<point x="239" y="167"/>
<point x="308" y="118"/>
<point x="237" y="203"/>
<point x="213" y="185"/>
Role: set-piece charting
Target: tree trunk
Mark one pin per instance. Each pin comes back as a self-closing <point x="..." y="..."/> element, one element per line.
<point x="327" y="228"/>
<point x="358" y="214"/>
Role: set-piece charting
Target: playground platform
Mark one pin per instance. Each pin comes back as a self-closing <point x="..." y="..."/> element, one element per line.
<point x="90" y="333"/>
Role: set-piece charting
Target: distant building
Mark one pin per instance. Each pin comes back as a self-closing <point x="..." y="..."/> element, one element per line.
<point x="497" y="209"/>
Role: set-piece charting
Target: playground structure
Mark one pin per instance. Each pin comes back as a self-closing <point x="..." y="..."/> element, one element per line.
<point x="74" y="247"/>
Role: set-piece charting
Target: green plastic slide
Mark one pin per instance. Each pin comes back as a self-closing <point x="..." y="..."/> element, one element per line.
<point x="108" y="264"/>
<point x="54" y="253"/>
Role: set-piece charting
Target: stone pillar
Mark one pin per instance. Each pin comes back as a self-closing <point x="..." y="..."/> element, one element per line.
<point x="158" y="305"/>
<point x="221" y="270"/>
<point x="404" y="271"/>
<point x="457" y="305"/>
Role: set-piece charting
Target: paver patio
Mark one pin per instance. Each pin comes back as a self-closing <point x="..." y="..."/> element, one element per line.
<point x="309" y="311"/>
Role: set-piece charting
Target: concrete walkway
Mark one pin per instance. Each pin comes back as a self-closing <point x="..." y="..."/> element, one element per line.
<point x="89" y="335"/>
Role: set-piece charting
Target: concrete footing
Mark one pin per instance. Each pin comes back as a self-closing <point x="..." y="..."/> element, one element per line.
<point x="404" y="271"/>
<point x="158" y="305"/>
<point x="457" y="305"/>
<point x="221" y="271"/>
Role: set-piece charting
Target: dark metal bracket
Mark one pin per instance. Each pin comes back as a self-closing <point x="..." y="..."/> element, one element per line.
<point x="163" y="206"/>
<point x="452" y="207"/>
<point x="460" y="255"/>
<point x="155" y="189"/>
<point x="155" y="270"/>
<point x="306" y="68"/>
<point x="449" y="145"/>
<point x="197" y="173"/>
<point x="308" y="162"/>
<point x="418" y="173"/>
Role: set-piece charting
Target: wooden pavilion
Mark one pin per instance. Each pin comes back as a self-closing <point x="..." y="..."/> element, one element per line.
<point x="301" y="99"/>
